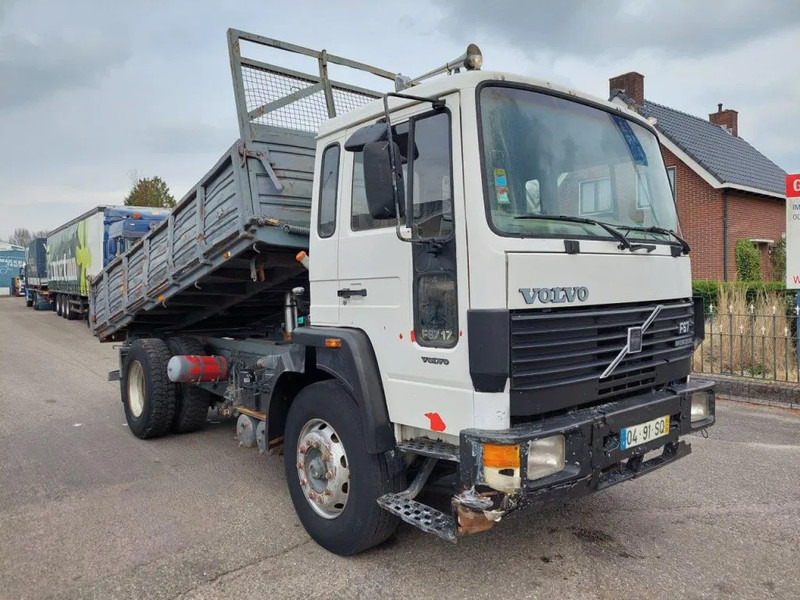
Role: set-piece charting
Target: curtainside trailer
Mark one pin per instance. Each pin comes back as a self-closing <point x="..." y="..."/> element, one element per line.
<point x="396" y="289"/>
<point x="79" y="249"/>
<point x="37" y="291"/>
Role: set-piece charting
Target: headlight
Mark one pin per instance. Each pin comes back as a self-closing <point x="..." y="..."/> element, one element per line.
<point x="699" y="406"/>
<point x="545" y="457"/>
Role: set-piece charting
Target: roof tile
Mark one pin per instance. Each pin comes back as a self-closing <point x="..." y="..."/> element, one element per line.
<point x="728" y="158"/>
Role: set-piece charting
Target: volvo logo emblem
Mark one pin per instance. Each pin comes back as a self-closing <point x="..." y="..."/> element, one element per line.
<point x="554" y="295"/>
<point x="635" y="341"/>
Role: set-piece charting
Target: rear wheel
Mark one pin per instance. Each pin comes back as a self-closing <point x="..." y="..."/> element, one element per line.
<point x="333" y="481"/>
<point x="59" y="301"/>
<point x="192" y="402"/>
<point x="147" y="394"/>
<point x="69" y="314"/>
<point x="28" y="302"/>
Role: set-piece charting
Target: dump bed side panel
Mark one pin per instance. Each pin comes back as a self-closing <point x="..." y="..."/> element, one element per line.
<point x="225" y="256"/>
<point x="198" y="262"/>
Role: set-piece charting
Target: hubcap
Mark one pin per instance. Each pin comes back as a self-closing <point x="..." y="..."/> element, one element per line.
<point x="323" y="468"/>
<point x="136" y="388"/>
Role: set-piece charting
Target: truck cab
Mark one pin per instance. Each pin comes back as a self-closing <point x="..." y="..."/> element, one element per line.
<point x="127" y="226"/>
<point x="526" y="291"/>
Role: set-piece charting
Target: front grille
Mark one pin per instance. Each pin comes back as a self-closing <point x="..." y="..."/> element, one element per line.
<point x="558" y="355"/>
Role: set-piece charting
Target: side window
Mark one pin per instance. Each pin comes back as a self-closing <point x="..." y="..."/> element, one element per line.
<point x="328" y="191"/>
<point x="430" y="176"/>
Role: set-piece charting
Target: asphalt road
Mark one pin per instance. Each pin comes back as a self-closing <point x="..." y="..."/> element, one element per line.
<point x="89" y="511"/>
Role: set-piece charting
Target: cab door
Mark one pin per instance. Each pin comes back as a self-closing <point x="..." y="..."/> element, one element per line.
<point x="410" y="298"/>
<point x="324" y="238"/>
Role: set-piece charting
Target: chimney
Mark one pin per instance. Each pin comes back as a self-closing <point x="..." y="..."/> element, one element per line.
<point x="631" y="83"/>
<point x="728" y="119"/>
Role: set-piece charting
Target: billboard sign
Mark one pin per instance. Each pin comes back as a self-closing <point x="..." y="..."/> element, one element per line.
<point x="793" y="231"/>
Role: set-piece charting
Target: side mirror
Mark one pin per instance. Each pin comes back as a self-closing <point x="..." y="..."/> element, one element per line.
<point x="378" y="177"/>
<point x="112" y="248"/>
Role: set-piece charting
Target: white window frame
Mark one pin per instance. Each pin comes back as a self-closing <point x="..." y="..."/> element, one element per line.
<point x="641" y="202"/>
<point x="672" y="175"/>
<point x="608" y="211"/>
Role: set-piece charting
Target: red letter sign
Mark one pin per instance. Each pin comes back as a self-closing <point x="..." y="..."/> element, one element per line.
<point x="793" y="186"/>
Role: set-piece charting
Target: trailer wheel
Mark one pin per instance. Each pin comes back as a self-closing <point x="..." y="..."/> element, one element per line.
<point x="147" y="393"/>
<point x="28" y="302"/>
<point x="59" y="300"/>
<point x="333" y="481"/>
<point x="192" y="402"/>
<point x="69" y="314"/>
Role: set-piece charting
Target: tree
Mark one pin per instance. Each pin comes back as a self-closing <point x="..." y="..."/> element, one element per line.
<point x="149" y="191"/>
<point x="748" y="261"/>
<point x="20" y="237"/>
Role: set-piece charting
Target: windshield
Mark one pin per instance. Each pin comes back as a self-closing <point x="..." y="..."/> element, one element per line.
<point x="545" y="155"/>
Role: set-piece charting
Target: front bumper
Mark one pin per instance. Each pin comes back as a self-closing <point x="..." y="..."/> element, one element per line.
<point x="594" y="458"/>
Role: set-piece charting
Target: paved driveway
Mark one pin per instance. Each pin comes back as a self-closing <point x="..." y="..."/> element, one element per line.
<point x="89" y="511"/>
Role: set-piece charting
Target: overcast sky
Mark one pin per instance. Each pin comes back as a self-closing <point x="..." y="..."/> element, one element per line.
<point x="92" y="90"/>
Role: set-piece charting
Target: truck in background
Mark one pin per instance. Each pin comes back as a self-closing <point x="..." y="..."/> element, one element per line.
<point x="499" y="301"/>
<point x="79" y="249"/>
<point x="37" y="291"/>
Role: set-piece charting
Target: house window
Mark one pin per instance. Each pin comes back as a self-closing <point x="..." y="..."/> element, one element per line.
<point x="671" y="176"/>
<point x="595" y="196"/>
<point x="642" y="195"/>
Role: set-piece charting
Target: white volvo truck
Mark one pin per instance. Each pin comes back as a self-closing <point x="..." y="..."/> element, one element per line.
<point x="475" y="280"/>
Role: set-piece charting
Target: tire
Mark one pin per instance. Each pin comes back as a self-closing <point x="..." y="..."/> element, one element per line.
<point x="59" y="301"/>
<point x="69" y="314"/>
<point x="192" y="402"/>
<point x="355" y="523"/>
<point x="28" y="303"/>
<point x="36" y="300"/>
<point x="147" y="393"/>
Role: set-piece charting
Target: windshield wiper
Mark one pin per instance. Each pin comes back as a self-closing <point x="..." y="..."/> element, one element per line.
<point x="685" y="248"/>
<point x="624" y="244"/>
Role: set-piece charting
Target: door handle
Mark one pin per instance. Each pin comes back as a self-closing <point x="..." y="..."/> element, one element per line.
<point x="347" y="292"/>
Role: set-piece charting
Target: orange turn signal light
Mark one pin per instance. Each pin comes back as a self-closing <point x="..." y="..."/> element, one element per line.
<point x="501" y="456"/>
<point x="333" y="343"/>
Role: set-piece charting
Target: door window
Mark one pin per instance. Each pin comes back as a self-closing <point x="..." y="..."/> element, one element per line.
<point x="328" y="191"/>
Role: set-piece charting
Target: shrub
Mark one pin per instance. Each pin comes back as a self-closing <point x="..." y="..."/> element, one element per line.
<point x="748" y="261"/>
<point x="778" y="259"/>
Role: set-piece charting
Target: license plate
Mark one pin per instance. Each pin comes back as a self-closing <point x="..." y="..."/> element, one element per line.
<point x="636" y="435"/>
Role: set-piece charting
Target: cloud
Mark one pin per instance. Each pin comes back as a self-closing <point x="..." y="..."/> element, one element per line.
<point x="34" y="69"/>
<point x="614" y="28"/>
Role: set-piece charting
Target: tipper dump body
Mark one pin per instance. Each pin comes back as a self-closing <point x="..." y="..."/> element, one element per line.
<point x="216" y="262"/>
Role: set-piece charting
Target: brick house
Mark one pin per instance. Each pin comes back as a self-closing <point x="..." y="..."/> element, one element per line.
<point x="725" y="189"/>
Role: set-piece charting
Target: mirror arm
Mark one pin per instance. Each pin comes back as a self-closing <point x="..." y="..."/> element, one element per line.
<point x="438" y="104"/>
<point x="393" y="166"/>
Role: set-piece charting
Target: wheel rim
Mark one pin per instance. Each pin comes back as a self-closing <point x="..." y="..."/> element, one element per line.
<point x="136" y="388"/>
<point x="323" y="468"/>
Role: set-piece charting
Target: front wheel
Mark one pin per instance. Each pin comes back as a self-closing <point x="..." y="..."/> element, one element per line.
<point x="333" y="481"/>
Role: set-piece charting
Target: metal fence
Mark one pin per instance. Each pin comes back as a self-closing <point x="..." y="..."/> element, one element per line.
<point x="755" y="343"/>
